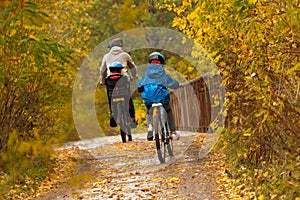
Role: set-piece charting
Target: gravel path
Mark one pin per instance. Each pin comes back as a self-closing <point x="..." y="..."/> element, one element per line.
<point x="109" y="169"/>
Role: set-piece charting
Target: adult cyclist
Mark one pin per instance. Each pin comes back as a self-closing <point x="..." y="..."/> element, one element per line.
<point x="117" y="54"/>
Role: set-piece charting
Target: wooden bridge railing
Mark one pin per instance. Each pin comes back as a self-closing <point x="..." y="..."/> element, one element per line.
<point x="195" y="106"/>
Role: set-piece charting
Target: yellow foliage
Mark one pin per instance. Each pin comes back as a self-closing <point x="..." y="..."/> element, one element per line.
<point x="254" y="45"/>
<point x="12" y="33"/>
<point x="261" y="197"/>
<point x="130" y="14"/>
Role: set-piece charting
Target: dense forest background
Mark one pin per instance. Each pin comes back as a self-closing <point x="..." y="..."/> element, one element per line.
<point x="255" y="44"/>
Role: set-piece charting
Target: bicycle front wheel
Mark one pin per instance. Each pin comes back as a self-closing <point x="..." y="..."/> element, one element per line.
<point x="159" y="140"/>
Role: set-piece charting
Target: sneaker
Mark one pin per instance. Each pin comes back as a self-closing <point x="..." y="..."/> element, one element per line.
<point x="133" y="123"/>
<point x="150" y="136"/>
<point x="150" y="133"/>
<point x="112" y="122"/>
<point x="175" y="135"/>
<point x="130" y="137"/>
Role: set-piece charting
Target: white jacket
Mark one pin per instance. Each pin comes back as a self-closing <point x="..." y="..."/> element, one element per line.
<point x="116" y="54"/>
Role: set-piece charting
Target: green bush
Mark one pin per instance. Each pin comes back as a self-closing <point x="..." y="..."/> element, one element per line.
<point x="34" y="89"/>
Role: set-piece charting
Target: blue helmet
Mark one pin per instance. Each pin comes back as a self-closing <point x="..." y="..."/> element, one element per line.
<point x="157" y="56"/>
<point x="116" y="66"/>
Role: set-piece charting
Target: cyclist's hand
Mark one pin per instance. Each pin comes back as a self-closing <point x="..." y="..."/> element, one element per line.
<point x="133" y="79"/>
<point x="140" y="89"/>
<point x="130" y="77"/>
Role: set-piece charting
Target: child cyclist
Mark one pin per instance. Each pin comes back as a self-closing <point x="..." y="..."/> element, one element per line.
<point x="154" y="87"/>
<point x="121" y="79"/>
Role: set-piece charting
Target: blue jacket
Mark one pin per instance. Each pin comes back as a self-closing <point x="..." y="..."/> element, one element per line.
<point x="154" y="84"/>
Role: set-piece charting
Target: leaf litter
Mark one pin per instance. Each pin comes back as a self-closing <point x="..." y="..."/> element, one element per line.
<point x="132" y="171"/>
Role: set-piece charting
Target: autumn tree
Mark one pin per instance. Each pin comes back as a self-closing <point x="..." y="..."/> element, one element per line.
<point x="255" y="44"/>
<point x="33" y="85"/>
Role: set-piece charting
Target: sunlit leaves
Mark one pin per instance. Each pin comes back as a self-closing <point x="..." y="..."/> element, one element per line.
<point x="32" y="92"/>
<point x="69" y="23"/>
<point x="131" y="15"/>
<point x="255" y="44"/>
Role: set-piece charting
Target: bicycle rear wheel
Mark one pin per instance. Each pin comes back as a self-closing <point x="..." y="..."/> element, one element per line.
<point x="159" y="140"/>
<point x="127" y="123"/>
<point x="121" y="122"/>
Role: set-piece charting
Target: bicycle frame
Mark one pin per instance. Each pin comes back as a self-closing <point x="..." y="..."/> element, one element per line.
<point x="160" y="131"/>
<point x="159" y="110"/>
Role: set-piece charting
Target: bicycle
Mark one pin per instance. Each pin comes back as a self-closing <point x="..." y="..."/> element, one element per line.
<point x="163" y="140"/>
<point x="119" y="92"/>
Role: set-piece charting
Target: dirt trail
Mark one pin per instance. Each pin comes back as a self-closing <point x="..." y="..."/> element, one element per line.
<point x="132" y="171"/>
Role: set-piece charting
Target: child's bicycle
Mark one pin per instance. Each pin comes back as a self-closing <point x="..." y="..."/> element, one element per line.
<point x="163" y="140"/>
<point x="119" y="92"/>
